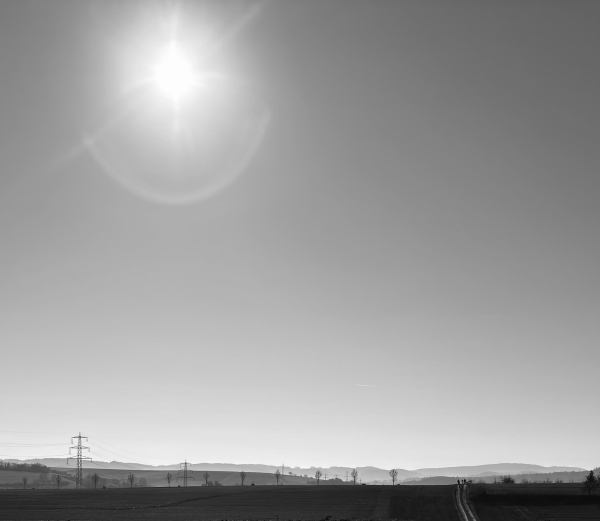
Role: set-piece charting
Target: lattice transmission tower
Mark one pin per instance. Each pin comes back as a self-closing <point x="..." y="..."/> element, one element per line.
<point x="282" y="478"/>
<point x="185" y="473"/>
<point x="79" y="459"/>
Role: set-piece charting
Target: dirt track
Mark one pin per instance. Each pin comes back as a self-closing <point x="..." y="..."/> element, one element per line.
<point x="465" y="511"/>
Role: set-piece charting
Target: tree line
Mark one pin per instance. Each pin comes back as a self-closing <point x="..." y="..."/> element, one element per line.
<point x="24" y="467"/>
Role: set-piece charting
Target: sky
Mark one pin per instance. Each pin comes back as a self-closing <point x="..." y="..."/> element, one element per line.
<point x="367" y="235"/>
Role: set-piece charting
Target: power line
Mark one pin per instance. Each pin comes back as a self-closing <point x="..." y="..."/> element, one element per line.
<point x="10" y="444"/>
<point x="125" y="450"/>
<point x="35" y="432"/>
<point x="101" y="466"/>
<point x="115" y="453"/>
<point x="121" y="465"/>
<point x="131" y="462"/>
<point x="80" y="457"/>
<point x="36" y="456"/>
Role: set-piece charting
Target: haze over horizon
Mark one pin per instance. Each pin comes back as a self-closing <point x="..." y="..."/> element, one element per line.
<point x="362" y="233"/>
<point x="366" y="473"/>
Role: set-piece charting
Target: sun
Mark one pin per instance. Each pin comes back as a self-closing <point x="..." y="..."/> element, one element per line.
<point x="174" y="75"/>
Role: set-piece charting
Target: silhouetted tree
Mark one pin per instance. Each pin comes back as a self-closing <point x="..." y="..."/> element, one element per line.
<point x="318" y="475"/>
<point x="507" y="480"/>
<point x="354" y="475"/>
<point x="169" y="478"/>
<point x="277" y="475"/>
<point x="590" y="483"/>
<point x="95" y="478"/>
<point x="206" y="475"/>
<point x="131" y="479"/>
<point x="243" y="476"/>
<point x="394" y="475"/>
<point x="25" y="482"/>
<point x="58" y="479"/>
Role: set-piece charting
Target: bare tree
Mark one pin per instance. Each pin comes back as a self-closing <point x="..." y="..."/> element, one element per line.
<point x="24" y="482"/>
<point x="394" y="474"/>
<point x="277" y="475"/>
<point x="169" y="478"/>
<point x="206" y="475"/>
<point x="131" y="479"/>
<point x="95" y="479"/>
<point x="58" y="479"/>
<point x="318" y="475"/>
<point x="243" y="476"/>
<point x="354" y="475"/>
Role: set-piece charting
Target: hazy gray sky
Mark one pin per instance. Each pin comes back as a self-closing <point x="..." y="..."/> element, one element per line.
<point x="403" y="274"/>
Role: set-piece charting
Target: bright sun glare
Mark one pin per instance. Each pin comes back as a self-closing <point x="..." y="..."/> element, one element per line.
<point x="174" y="74"/>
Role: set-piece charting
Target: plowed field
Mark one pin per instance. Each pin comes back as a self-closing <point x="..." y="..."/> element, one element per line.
<point x="418" y="503"/>
<point x="551" y="501"/>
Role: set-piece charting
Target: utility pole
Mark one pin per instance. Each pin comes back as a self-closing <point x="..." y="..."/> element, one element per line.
<point x="79" y="459"/>
<point x="325" y="477"/>
<point x="187" y="474"/>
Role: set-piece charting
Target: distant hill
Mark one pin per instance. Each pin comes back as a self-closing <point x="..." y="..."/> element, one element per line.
<point x="548" y="477"/>
<point x="495" y="468"/>
<point x="366" y="474"/>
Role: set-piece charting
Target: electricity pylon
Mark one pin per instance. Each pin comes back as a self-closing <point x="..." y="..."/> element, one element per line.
<point x="79" y="459"/>
<point x="281" y="479"/>
<point x="187" y="474"/>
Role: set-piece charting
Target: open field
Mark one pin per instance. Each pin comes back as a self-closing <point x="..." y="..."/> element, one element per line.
<point x="158" y="478"/>
<point x="16" y="477"/>
<point x="266" y="502"/>
<point x="560" y="489"/>
<point x="539" y="501"/>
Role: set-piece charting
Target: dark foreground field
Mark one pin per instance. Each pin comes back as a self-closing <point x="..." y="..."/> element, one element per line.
<point x="552" y="501"/>
<point x="418" y="503"/>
